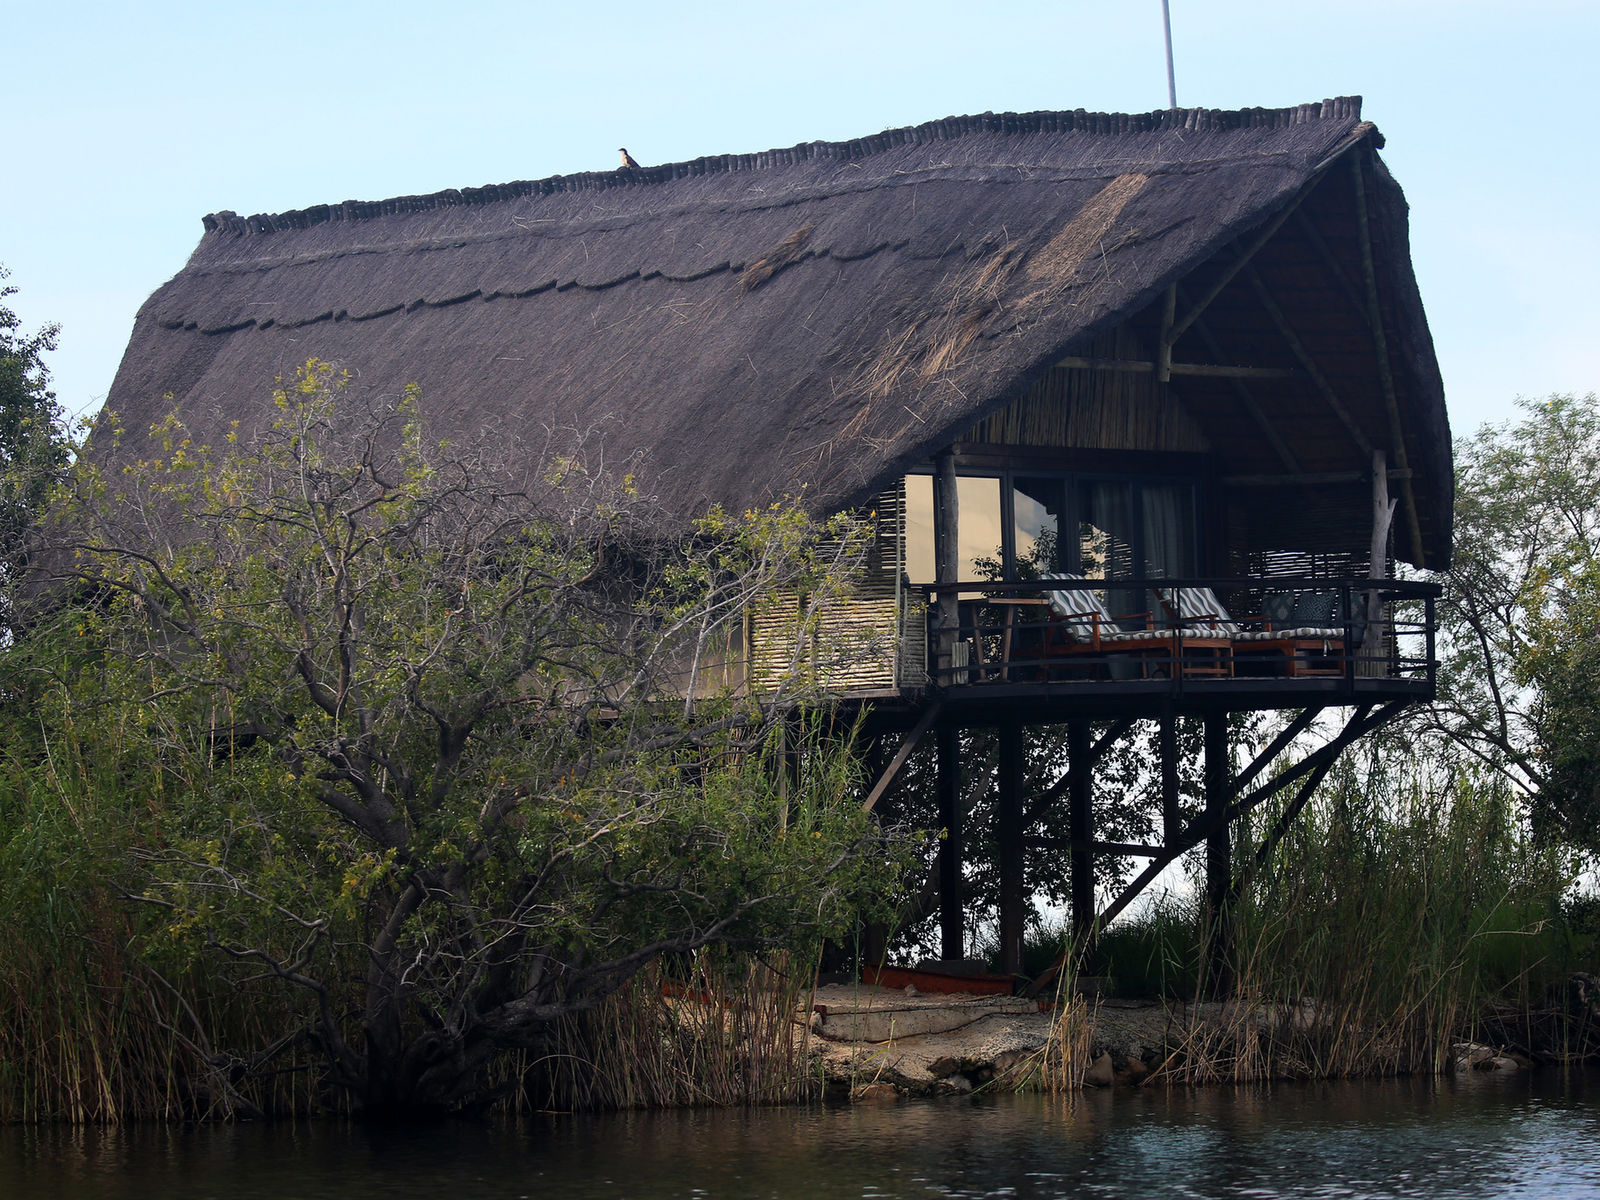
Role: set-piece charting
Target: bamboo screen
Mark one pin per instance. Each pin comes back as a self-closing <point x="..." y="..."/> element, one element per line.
<point x="856" y="642"/>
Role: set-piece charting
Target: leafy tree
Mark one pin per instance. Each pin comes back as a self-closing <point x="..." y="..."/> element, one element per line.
<point x="448" y="745"/>
<point x="32" y="443"/>
<point x="1519" y="621"/>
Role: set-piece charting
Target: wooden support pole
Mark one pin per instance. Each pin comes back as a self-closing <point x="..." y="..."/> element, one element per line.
<point x="946" y="562"/>
<point x="1169" y="308"/>
<point x="1051" y="794"/>
<point x="952" y="927"/>
<point x="1080" y="829"/>
<point x="1219" y="865"/>
<point x="1382" y="515"/>
<point x="1378" y="554"/>
<point x="1363" y="722"/>
<point x="1171" y="820"/>
<point x="1279" y="744"/>
<point x="789" y="784"/>
<point x="1008" y="830"/>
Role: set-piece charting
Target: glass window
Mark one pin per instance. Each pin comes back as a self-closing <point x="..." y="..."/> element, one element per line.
<point x="1038" y="515"/>
<point x="979" y="548"/>
<point x="1169" y="529"/>
<point x="919" y="529"/>
<point x="1107" y="530"/>
<point x="1123" y="528"/>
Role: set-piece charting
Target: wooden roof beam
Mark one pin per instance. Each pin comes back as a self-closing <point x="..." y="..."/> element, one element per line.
<point x="1380" y="343"/>
<point x="1313" y="477"/>
<point x="1211" y="370"/>
<point x="1298" y="348"/>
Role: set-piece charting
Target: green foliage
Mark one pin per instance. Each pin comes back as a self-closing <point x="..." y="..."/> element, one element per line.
<point x="33" y="443"/>
<point x="1155" y="953"/>
<point x="406" y="728"/>
<point x="1521" y="652"/>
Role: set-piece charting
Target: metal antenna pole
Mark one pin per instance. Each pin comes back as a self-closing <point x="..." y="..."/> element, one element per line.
<point x="1172" y="83"/>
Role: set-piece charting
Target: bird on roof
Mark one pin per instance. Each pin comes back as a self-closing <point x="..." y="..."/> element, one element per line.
<point x="627" y="159"/>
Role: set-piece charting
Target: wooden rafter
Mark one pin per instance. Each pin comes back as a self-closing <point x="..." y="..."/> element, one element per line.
<point x="1380" y="343"/>
<point x="1242" y="260"/>
<point x="1318" y="380"/>
<point x="1181" y="326"/>
<point x="909" y="744"/>
<point x="1257" y="414"/>
<point x="1314" y="477"/>
<point x="1335" y="270"/>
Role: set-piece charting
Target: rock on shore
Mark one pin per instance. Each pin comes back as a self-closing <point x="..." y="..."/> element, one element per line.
<point x="931" y="1045"/>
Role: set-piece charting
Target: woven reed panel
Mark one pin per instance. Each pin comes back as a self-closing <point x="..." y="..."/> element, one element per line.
<point x="853" y="642"/>
<point x="1096" y="410"/>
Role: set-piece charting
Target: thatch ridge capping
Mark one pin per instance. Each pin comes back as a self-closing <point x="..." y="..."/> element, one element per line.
<point x="1341" y="108"/>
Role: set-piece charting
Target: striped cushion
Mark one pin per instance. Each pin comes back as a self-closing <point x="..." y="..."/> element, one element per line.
<point x="1160" y="635"/>
<point x="1079" y="609"/>
<point x="1304" y="631"/>
<point x="1199" y="606"/>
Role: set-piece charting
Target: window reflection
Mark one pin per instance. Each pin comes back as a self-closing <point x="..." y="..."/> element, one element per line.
<point x="1038" y="513"/>
<point x="1098" y="528"/>
<point x="978" y="546"/>
<point x="1106" y="531"/>
<point x="919" y="529"/>
<point x="980" y="553"/>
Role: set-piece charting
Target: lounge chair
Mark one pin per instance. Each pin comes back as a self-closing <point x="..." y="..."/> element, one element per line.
<point x="1298" y="633"/>
<point x="1090" y="631"/>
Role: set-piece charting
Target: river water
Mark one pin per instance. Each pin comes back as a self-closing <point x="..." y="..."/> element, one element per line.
<point x="1481" y="1136"/>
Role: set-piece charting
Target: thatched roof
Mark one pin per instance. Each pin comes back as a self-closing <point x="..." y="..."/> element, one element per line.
<point x="821" y="316"/>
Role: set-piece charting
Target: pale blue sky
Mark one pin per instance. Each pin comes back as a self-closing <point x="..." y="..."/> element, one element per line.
<point x="126" y="122"/>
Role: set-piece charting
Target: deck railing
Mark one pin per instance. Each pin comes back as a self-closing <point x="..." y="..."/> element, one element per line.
<point x="1267" y="629"/>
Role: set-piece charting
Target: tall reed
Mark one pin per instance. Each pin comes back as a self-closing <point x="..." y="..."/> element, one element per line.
<point x="721" y="1028"/>
<point x="1371" y="937"/>
<point x="96" y="1024"/>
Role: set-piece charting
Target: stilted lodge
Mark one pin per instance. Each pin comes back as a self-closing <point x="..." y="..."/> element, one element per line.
<point x="1146" y="409"/>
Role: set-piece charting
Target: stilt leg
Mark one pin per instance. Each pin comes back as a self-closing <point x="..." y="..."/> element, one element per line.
<point x="952" y="931"/>
<point x="1009" y="835"/>
<point x="1171" y="823"/>
<point x="1219" y="866"/>
<point x="1080" y="829"/>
